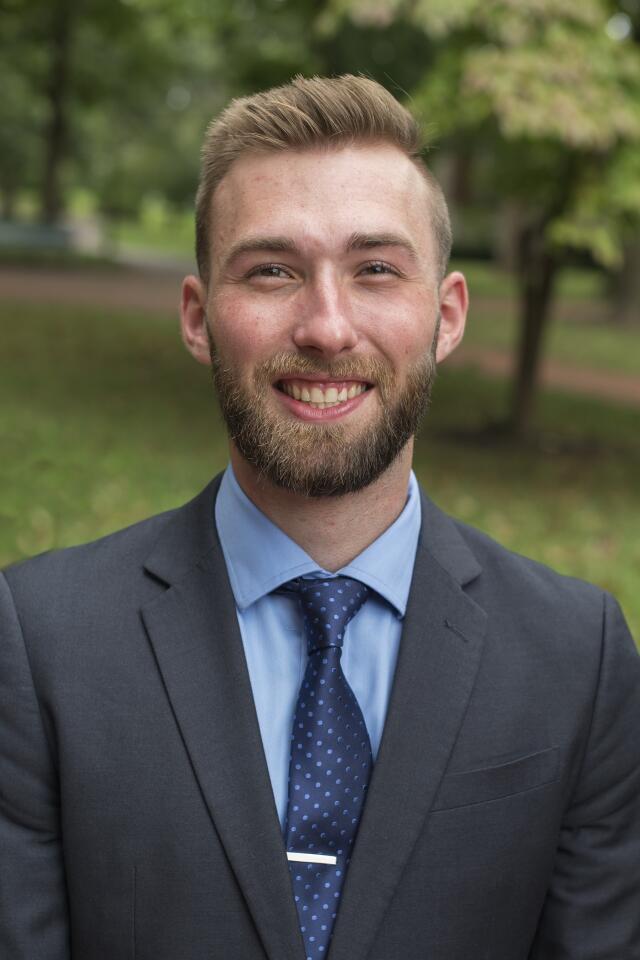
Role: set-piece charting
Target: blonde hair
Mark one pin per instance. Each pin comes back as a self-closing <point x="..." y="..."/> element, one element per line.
<point x="307" y="113"/>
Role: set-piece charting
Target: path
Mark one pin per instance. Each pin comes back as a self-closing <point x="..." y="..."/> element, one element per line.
<point x="157" y="289"/>
<point x="621" y="388"/>
<point x="121" y="288"/>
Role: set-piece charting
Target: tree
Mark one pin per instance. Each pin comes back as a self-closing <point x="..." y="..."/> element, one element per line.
<point x="554" y="97"/>
<point x="21" y="113"/>
<point x="625" y="279"/>
<point x="89" y="78"/>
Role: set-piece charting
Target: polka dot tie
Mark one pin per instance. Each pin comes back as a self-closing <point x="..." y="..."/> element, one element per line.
<point x="330" y="762"/>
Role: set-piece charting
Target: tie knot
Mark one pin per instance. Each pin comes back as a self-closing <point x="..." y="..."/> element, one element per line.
<point x="327" y="607"/>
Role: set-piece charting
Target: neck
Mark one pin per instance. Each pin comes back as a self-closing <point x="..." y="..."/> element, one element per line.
<point x="332" y="530"/>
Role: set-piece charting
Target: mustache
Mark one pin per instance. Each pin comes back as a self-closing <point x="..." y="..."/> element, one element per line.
<point x="370" y="369"/>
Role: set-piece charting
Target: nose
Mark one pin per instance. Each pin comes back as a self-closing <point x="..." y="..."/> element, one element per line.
<point x="325" y="325"/>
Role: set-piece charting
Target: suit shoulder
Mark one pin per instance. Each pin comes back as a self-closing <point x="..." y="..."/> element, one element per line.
<point x="510" y="573"/>
<point x="113" y="555"/>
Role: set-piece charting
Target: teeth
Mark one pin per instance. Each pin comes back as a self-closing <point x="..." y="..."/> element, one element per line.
<point x="321" y="398"/>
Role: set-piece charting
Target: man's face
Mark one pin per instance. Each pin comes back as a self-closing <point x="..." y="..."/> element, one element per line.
<point x="322" y="311"/>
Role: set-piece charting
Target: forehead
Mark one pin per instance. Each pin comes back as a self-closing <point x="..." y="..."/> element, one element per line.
<point x="320" y="196"/>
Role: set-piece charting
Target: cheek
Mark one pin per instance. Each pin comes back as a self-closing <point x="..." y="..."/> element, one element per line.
<point x="402" y="326"/>
<point x="243" y="328"/>
<point x="408" y="340"/>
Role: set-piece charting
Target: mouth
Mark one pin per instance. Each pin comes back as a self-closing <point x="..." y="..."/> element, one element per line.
<point x="320" y="394"/>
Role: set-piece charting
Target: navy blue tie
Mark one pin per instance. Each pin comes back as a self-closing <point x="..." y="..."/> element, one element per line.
<point x="330" y="762"/>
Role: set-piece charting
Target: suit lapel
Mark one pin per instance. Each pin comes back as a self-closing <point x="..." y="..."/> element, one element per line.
<point x="437" y="665"/>
<point x="194" y="632"/>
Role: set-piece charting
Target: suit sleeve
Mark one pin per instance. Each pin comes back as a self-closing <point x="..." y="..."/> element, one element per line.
<point x="592" y="909"/>
<point x="33" y="899"/>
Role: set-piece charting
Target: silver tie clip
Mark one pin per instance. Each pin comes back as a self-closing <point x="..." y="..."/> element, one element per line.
<point x="311" y="858"/>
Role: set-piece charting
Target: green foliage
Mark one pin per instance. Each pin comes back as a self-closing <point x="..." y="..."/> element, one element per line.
<point x="158" y="228"/>
<point x="607" y="209"/>
<point x="143" y="78"/>
<point x="529" y="80"/>
<point x="542" y="87"/>
<point x="148" y="98"/>
<point x="265" y="41"/>
<point x="564" y="81"/>
<point x="21" y="112"/>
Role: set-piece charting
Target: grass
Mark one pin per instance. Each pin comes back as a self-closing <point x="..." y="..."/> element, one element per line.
<point x="485" y="279"/>
<point x="579" y="333"/>
<point x="597" y="347"/>
<point x="51" y="258"/>
<point x="105" y="420"/>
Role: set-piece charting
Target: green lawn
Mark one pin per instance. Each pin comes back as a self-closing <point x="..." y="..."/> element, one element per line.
<point x="104" y="420"/>
<point x="579" y="333"/>
<point x="596" y="346"/>
<point x="488" y="280"/>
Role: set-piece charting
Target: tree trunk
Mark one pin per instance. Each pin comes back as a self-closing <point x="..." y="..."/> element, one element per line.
<point x="461" y="177"/>
<point x="537" y="269"/>
<point x="7" y="202"/>
<point x="509" y="224"/>
<point x="56" y="135"/>
<point x="626" y="287"/>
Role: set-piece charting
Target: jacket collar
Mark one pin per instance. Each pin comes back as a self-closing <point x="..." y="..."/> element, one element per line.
<point x="193" y="629"/>
<point x="190" y="539"/>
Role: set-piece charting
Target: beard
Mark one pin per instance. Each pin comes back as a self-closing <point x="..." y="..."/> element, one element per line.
<point x="322" y="460"/>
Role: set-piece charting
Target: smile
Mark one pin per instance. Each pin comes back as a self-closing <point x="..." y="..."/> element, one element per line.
<point x="322" y="394"/>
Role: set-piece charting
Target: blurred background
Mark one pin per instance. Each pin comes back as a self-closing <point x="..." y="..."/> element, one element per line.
<point x="532" y="115"/>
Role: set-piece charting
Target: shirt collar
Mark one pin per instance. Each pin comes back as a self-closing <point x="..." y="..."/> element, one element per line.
<point x="260" y="556"/>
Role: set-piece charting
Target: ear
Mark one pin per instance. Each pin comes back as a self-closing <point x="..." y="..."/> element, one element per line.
<point x="193" y="319"/>
<point x="454" y="303"/>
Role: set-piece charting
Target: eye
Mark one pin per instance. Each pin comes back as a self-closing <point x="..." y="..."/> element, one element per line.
<point x="268" y="271"/>
<point x="378" y="268"/>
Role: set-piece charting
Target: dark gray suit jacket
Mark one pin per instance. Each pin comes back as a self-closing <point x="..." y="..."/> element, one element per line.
<point x="137" y="820"/>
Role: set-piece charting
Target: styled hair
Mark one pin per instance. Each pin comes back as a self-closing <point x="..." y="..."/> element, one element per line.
<point x="331" y="112"/>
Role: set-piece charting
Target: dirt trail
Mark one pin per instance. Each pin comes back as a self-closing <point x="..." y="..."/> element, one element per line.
<point x="119" y="288"/>
<point x="158" y="290"/>
<point x="621" y="388"/>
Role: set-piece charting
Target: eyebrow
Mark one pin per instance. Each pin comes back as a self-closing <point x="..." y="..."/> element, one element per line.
<point x="257" y="244"/>
<point x="357" y="241"/>
<point x="368" y="241"/>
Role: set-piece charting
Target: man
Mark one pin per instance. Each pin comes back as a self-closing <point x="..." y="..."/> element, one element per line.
<point x="307" y="714"/>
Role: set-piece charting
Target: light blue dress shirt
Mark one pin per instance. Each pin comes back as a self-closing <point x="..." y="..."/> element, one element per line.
<point x="261" y="557"/>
